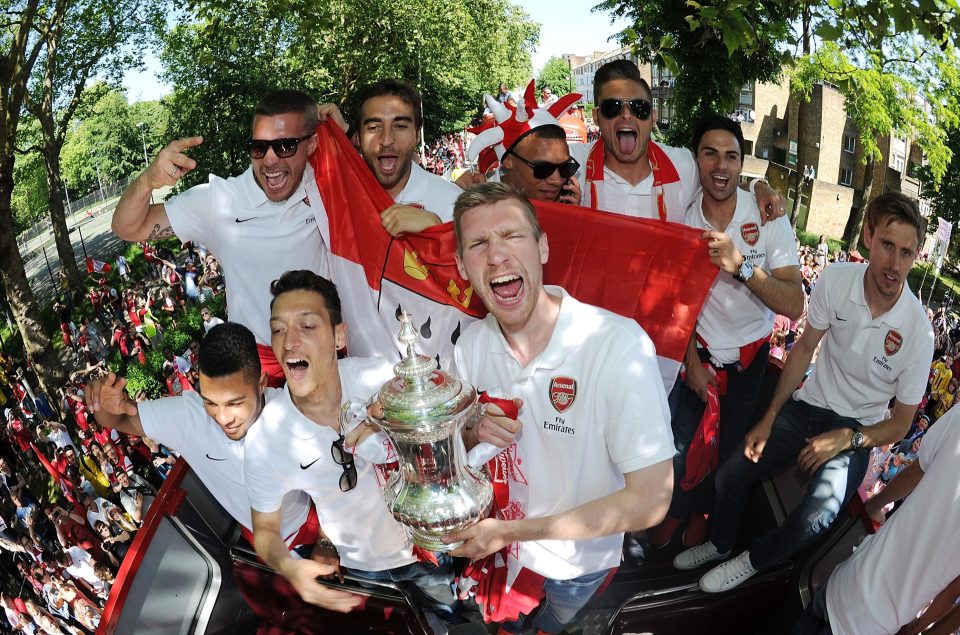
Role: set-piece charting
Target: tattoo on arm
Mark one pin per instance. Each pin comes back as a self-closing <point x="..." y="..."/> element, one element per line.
<point x="159" y="233"/>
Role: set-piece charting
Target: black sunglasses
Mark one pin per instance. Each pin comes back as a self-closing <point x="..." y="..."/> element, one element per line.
<point x="348" y="480"/>
<point x="641" y="108"/>
<point x="283" y="148"/>
<point x="543" y="169"/>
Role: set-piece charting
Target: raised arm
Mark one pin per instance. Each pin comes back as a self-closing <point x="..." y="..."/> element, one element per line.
<point x="135" y="219"/>
<point x="642" y="503"/>
<point x="107" y="399"/>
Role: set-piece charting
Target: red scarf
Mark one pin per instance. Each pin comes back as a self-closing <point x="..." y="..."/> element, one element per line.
<point x="660" y="164"/>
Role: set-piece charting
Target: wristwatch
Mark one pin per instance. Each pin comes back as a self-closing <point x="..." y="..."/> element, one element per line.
<point x="324" y="543"/>
<point x="745" y="272"/>
<point x="857" y="440"/>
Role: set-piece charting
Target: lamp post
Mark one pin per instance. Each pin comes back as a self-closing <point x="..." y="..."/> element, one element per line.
<point x="146" y="159"/>
<point x="96" y="164"/>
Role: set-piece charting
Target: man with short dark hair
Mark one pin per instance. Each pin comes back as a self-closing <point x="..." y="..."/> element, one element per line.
<point x="208" y="427"/>
<point x="875" y="346"/>
<point x="257" y="222"/>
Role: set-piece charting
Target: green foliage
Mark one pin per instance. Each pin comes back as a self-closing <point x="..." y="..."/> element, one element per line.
<point x="139" y="378"/>
<point x="556" y="75"/>
<point x="29" y="202"/>
<point x="713" y="48"/>
<point x="812" y="240"/>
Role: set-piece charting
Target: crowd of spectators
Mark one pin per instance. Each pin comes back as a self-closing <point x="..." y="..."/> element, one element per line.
<point x="72" y="494"/>
<point x="445" y="154"/>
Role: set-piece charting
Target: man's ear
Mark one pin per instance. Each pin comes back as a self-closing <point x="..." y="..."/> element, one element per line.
<point x="544" y="247"/>
<point x="460" y="268"/>
<point x="340" y="336"/>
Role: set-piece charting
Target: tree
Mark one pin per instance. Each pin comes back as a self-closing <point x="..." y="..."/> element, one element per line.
<point x="27" y="25"/>
<point x="89" y="41"/>
<point x="713" y="49"/>
<point x="556" y="75"/>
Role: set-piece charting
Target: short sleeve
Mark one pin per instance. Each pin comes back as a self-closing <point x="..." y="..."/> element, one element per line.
<point x="782" y="246"/>
<point x="818" y="309"/>
<point x="189" y="212"/>
<point x="167" y="420"/>
<point x="638" y="418"/>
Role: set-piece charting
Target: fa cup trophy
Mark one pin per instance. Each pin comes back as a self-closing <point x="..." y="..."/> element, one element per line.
<point x="425" y="409"/>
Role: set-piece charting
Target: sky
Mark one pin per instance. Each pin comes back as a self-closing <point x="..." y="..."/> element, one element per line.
<point x="562" y="22"/>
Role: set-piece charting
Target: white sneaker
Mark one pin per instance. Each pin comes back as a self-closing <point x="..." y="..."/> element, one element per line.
<point x="728" y="575"/>
<point x="698" y="556"/>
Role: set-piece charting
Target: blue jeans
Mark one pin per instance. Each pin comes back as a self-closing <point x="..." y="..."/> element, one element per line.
<point x="433" y="584"/>
<point x="737" y="409"/>
<point x="563" y="600"/>
<point x="828" y="491"/>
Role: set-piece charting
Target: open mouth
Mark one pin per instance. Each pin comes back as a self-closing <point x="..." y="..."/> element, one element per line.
<point x="296" y="368"/>
<point x="627" y="141"/>
<point x="720" y="181"/>
<point x="274" y="181"/>
<point x="507" y="289"/>
<point x="388" y="163"/>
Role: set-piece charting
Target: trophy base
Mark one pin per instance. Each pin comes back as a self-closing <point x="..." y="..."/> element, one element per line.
<point x="430" y="541"/>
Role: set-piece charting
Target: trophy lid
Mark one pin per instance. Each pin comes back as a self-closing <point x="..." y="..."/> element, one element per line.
<point x="420" y="392"/>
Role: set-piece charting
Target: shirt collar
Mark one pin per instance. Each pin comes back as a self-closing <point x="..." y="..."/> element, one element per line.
<point x="258" y="198"/>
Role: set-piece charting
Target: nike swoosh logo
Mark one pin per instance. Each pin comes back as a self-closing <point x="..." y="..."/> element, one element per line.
<point x="840" y="318"/>
<point x="304" y="467"/>
<point x="213" y="458"/>
<point x="243" y="220"/>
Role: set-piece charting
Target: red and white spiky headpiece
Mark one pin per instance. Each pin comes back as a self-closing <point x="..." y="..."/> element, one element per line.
<point x="509" y="124"/>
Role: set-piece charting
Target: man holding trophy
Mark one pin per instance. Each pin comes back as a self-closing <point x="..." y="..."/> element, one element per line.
<point x="594" y="457"/>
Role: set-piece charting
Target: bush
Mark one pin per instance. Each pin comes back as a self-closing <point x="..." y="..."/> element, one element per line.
<point x="139" y="378"/>
<point x="812" y="240"/>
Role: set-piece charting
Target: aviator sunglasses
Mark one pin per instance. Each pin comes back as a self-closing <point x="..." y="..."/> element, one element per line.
<point x="283" y="148"/>
<point x="543" y="169"/>
<point x="640" y="108"/>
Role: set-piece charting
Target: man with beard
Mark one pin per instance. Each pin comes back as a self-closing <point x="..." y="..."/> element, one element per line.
<point x="727" y="354"/>
<point x="593" y="459"/>
<point x="270" y="215"/>
<point x="627" y="173"/>
<point x="876" y="346"/>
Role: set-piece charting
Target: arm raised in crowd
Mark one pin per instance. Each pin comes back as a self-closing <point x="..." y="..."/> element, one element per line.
<point x="135" y="219"/>
<point x="107" y="399"/>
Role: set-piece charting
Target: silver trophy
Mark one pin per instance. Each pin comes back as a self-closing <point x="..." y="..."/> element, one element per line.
<point x="424" y="411"/>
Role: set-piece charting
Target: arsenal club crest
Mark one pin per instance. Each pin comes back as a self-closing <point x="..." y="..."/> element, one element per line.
<point x="563" y="390"/>
<point x="750" y="233"/>
<point x="891" y="344"/>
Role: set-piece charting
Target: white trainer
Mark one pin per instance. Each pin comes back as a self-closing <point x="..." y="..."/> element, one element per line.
<point x="728" y="575"/>
<point x="696" y="557"/>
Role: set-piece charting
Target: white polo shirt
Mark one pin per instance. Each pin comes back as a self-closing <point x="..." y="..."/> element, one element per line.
<point x="181" y="423"/>
<point x="894" y="573"/>
<point x="616" y="194"/>
<point x="431" y="192"/>
<point x="593" y="410"/>
<point x="864" y="362"/>
<point x="287" y="452"/>
<point x="255" y="239"/>
<point x="732" y="316"/>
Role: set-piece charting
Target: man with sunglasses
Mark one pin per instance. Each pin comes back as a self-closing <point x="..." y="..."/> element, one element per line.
<point x="297" y="445"/>
<point x="270" y="215"/>
<point x="627" y="173"/>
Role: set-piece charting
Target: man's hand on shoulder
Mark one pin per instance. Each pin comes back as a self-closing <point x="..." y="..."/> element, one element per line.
<point x="470" y="178"/>
<point x="171" y="164"/>
<point x="405" y="219"/>
<point x="771" y="203"/>
<point x="108" y="394"/>
<point x="303" y="574"/>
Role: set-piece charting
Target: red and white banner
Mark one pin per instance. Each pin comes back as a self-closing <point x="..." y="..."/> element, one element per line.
<point x="655" y="272"/>
<point x="96" y="266"/>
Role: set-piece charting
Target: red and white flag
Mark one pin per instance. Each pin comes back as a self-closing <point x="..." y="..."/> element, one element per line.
<point x="655" y="272"/>
<point x="97" y="266"/>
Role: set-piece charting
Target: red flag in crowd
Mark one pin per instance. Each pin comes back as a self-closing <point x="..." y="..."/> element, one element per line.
<point x="657" y="273"/>
<point x="97" y="266"/>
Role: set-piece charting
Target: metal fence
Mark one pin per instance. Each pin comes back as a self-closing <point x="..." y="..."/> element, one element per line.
<point x="76" y="211"/>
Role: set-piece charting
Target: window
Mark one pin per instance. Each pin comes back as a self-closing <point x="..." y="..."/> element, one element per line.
<point x="898" y="162"/>
<point x="849" y="143"/>
<point x="846" y="177"/>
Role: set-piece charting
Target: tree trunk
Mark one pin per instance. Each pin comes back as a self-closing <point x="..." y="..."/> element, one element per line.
<point x="798" y="174"/>
<point x="68" y="261"/>
<point x="23" y="304"/>
<point x="855" y="222"/>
